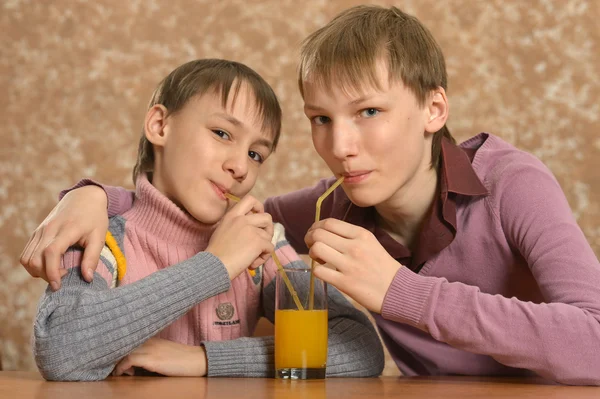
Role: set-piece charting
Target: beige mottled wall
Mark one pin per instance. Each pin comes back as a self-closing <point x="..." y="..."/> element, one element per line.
<point x="75" y="77"/>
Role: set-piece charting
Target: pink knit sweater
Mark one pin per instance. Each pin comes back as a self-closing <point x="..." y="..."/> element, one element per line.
<point x="159" y="234"/>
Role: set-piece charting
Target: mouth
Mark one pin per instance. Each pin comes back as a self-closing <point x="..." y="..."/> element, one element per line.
<point x="220" y="190"/>
<point x="356" y="176"/>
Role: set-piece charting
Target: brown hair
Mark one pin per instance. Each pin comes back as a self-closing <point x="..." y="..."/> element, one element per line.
<point x="349" y="46"/>
<point x="196" y="78"/>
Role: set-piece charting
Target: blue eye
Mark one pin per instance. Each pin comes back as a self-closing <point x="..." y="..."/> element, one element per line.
<point x="222" y="134"/>
<point x="369" y="112"/>
<point x="321" y="120"/>
<point x="256" y="156"/>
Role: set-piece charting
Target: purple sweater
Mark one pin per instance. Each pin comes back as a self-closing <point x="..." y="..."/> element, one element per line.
<point x="517" y="290"/>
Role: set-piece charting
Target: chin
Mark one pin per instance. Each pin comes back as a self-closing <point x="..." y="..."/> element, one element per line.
<point x="207" y="216"/>
<point x="363" y="199"/>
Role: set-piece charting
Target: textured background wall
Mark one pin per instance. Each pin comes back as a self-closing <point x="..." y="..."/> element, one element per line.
<point x="75" y="77"/>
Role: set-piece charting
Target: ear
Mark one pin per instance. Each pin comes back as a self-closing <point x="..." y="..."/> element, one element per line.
<point x="437" y="110"/>
<point x="155" y="125"/>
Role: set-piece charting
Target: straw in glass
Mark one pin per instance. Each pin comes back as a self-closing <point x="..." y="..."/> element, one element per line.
<point x="311" y="295"/>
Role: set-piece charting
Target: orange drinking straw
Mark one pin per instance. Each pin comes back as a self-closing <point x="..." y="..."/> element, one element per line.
<point x="311" y="296"/>
<point x="286" y="280"/>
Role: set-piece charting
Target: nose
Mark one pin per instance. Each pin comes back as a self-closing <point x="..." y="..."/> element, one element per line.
<point x="344" y="141"/>
<point x="236" y="165"/>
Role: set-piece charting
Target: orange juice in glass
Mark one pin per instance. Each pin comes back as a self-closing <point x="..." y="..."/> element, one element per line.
<point x="300" y="335"/>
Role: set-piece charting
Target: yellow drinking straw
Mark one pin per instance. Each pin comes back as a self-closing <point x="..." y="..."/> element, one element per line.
<point x="311" y="296"/>
<point x="287" y="282"/>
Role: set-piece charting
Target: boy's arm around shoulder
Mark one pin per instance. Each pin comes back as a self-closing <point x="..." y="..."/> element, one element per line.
<point x="355" y="349"/>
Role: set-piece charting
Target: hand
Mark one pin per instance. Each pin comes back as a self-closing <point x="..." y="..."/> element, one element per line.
<point x="365" y="270"/>
<point x="243" y="237"/>
<point x="79" y="218"/>
<point x="165" y="357"/>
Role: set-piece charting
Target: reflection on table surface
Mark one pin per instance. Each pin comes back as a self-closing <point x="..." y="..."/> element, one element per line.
<point x="16" y="385"/>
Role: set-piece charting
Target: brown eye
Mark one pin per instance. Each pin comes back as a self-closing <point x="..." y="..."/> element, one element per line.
<point x="222" y="134"/>
<point x="256" y="156"/>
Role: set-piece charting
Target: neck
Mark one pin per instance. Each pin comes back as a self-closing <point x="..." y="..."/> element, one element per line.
<point x="158" y="216"/>
<point x="403" y="214"/>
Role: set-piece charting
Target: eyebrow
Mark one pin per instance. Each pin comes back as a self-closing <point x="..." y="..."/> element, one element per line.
<point x="237" y="123"/>
<point x="361" y="100"/>
<point x="358" y="101"/>
<point x="234" y="121"/>
<point x="266" y="143"/>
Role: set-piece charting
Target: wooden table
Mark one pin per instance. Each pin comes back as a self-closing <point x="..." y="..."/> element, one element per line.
<point x="17" y="385"/>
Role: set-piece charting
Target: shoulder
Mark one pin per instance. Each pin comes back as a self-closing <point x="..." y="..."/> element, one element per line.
<point x="499" y="164"/>
<point x="520" y="186"/>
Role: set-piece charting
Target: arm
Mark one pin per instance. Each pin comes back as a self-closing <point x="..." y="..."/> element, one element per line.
<point x="83" y="330"/>
<point x="354" y="346"/>
<point x="557" y="339"/>
<point x="120" y="200"/>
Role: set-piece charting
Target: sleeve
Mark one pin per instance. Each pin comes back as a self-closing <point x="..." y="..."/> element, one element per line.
<point x="354" y="348"/>
<point x="296" y="210"/>
<point x="120" y="200"/>
<point x="558" y="339"/>
<point x="84" y="329"/>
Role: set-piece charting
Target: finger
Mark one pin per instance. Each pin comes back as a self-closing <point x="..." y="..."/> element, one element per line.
<point x="248" y="204"/>
<point x="324" y="253"/>
<point x="339" y="243"/>
<point x="261" y="220"/>
<point x="130" y="372"/>
<point x="91" y="256"/>
<point x="330" y="276"/>
<point x="257" y="206"/>
<point x="267" y="245"/>
<point x="36" y="258"/>
<point x="121" y="366"/>
<point x="53" y="252"/>
<point x="257" y="263"/>
<point x="265" y="257"/>
<point x="339" y="227"/>
<point x="27" y="252"/>
<point x="125" y="366"/>
<point x="270" y="229"/>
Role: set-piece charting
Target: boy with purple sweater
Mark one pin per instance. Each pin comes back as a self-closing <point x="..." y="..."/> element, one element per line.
<point x="468" y="255"/>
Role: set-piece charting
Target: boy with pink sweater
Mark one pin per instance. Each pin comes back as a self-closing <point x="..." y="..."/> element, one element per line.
<point x="172" y="292"/>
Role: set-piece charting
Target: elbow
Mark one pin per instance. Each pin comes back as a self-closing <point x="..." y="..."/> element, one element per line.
<point x="376" y="361"/>
<point x="366" y="360"/>
<point x="371" y="361"/>
<point x="69" y="371"/>
<point x="60" y="363"/>
<point x="575" y="377"/>
<point x="580" y="369"/>
<point x="58" y="357"/>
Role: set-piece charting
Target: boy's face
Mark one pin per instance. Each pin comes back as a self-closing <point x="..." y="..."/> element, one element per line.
<point x="208" y="150"/>
<point x="378" y="139"/>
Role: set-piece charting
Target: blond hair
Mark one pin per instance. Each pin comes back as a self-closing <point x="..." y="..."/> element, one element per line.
<point x="196" y="78"/>
<point x="346" y="50"/>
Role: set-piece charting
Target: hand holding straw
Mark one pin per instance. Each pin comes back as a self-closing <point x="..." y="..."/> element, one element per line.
<point x="286" y="280"/>
<point x="311" y="295"/>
